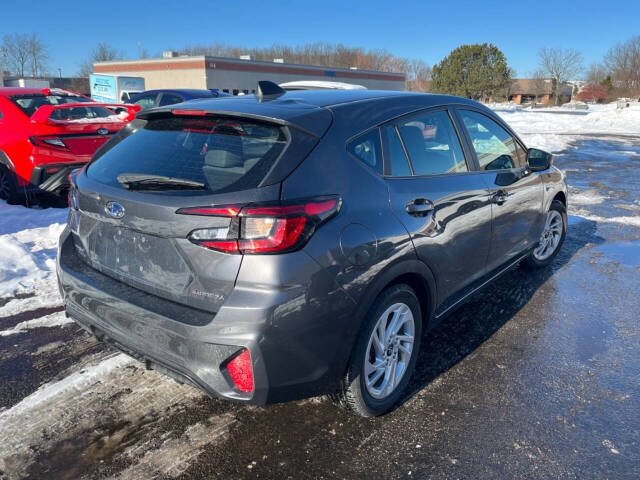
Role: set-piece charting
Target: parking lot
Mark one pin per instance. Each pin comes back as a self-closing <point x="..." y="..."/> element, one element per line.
<point x="538" y="376"/>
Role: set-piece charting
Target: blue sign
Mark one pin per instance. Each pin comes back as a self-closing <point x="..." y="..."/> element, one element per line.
<point x="103" y="88"/>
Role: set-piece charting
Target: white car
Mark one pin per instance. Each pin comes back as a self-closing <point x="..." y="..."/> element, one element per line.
<point x="320" y="85"/>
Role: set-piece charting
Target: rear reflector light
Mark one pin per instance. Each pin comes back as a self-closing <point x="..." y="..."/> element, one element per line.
<point x="241" y="371"/>
<point x="263" y="228"/>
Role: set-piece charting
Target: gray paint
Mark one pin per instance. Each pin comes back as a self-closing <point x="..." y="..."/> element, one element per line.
<point x="298" y="313"/>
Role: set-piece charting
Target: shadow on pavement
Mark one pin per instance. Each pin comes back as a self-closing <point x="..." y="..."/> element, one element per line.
<point x="487" y="311"/>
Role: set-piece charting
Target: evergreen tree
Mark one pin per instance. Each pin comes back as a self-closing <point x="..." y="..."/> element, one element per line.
<point x="472" y="71"/>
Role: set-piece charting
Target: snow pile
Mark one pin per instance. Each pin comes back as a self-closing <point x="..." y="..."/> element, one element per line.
<point x="53" y="320"/>
<point x="555" y="128"/>
<point x="28" y="242"/>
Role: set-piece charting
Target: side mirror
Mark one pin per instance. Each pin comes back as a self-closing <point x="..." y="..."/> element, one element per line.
<point x="539" y="160"/>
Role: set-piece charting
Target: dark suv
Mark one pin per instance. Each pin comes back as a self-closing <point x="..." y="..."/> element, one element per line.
<point x="287" y="245"/>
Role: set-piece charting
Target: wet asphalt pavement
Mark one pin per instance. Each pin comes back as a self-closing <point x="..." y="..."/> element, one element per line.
<point x="538" y="376"/>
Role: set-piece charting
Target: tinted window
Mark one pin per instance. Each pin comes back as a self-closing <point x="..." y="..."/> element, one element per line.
<point x="225" y="155"/>
<point x="30" y="103"/>
<point x="80" y="113"/>
<point x="147" y="101"/>
<point x="366" y="148"/>
<point x="397" y="159"/>
<point x="432" y="144"/>
<point x="495" y="148"/>
<point x="170" y="99"/>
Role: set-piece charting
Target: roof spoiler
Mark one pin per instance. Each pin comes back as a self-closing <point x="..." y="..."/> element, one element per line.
<point x="43" y="114"/>
<point x="268" y="91"/>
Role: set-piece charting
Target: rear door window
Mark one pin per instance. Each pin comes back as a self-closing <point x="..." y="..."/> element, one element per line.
<point x="397" y="159"/>
<point x="432" y="144"/>
<point x="223" y="154"/>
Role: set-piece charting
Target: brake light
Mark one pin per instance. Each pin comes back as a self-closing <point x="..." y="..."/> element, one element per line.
<point x="241" y="371"/>
<point x="49" y="142"/>
<point x="273" y="228"/>
<point x="178" y="111"/>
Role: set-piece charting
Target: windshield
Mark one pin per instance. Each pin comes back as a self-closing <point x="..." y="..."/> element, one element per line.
<point x="30" y="103"/>
<point x="223" y="154"/>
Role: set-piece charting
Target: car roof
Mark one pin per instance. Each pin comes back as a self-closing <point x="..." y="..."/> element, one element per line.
<point x="7" y="91"/>
<point x="184" y="91"/>
<point x="304" y="108"/>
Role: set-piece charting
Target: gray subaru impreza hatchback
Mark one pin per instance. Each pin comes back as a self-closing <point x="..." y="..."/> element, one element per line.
<point x="286" y="245"/>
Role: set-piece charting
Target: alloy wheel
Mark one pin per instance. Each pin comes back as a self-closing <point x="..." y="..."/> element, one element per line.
<point x="551" y="236"/>
<point x="389" y="350"/>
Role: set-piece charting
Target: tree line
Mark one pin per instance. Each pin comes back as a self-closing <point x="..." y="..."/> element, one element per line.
<point x="24" y="54"/>
<point x="478" y="71"/>
<point x="338" y="55"/>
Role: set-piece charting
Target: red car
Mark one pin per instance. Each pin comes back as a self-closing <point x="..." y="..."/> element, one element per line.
<point x="45" y="134"/>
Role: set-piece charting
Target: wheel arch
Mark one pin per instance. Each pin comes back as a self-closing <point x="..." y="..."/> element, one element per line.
<point x="6" y="161"/>
<point x="412" y="272"/>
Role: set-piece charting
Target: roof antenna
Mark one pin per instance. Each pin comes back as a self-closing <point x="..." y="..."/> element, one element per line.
<point x="268" y="91"/>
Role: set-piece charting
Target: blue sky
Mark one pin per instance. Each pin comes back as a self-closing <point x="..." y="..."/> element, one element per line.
<point x="428" y="30"/>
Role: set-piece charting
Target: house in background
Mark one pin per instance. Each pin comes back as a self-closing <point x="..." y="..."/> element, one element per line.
<point x="538" y="90"/>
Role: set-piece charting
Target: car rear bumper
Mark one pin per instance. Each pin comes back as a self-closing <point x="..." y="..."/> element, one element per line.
<point x="51" y="178"/>
<point x="285" y="359"/>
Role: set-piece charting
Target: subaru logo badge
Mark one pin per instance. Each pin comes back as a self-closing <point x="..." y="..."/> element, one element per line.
<point x="114" y="209"/>
<point x="102" y="131"/>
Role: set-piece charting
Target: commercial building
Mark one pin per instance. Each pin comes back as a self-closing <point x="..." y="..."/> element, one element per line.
<point x="538" y="90"/>
<point x="234" y="75"/>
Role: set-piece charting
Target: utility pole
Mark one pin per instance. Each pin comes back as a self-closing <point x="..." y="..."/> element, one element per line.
<point x="59" y="72"/>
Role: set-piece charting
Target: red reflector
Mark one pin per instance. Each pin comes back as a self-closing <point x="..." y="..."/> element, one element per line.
<point x="224" y="211"/>
<point x="241" y="371"/>
<point x="178" y="111"/>
<point x="317" y="208"/>
<point x="227" y="246"/>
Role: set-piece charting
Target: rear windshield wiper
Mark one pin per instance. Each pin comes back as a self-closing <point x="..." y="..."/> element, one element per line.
<point x="143" y="181"/>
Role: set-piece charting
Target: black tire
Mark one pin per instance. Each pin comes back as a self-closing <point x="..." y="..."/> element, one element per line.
<point x="353" y="393"/>
<point x="8" y="185"/>
<point x="532" y="261"/>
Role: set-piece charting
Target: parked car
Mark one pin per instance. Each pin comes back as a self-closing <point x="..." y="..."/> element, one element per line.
<point x="319" y="85"/>
<point x="161" y="98"/>
<point x="266" y="250"/>
<point x="46" y="133"/>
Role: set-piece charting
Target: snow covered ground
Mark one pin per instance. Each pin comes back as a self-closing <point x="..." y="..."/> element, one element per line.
<point x="555" y="128"/>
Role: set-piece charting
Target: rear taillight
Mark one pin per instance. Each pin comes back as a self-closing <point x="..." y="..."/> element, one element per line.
<point x="265" y="228"/>
<point x="241" y="371"/>
<point x="49" y="142"/>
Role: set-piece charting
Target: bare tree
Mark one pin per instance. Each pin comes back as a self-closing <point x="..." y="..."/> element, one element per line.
<point x="39" y="56"/>
<point x="623" y="61"/>
<point x="102" y="52"/>
<point x="560" y="64"/>
<point x="418" y="75"/>
<point x="16" y="49"/>
<point x="597" y="73"/>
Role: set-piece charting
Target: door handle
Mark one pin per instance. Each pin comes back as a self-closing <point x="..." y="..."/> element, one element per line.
<point x="500" y="197"/>
<point x="419" y="207"/>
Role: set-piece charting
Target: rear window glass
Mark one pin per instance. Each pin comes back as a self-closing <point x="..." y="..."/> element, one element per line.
<point x="81" y="113"/>
<point x="30" y="103"/>
<point x="224" y="154"/>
